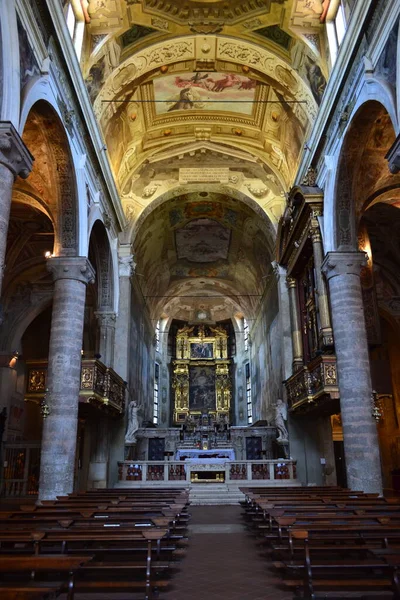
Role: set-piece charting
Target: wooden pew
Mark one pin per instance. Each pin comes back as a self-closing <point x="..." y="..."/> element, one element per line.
<point x="126" y="556"/>
<point x="16" y="567"/>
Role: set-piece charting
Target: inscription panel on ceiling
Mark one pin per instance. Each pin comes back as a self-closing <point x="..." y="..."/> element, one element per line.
<point x="204" y="175"/>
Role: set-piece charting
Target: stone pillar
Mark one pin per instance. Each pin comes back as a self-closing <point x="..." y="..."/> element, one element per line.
<point x="106" y="341"/>
<point x="122" y="326"/>
<point x="15" y="160"/>
<point x="361" y="445"/>
<point x="284" y="316"/>
<point x="326" y="335"/>
<point x="296" y="325"/>
<point x="121" y="352"/>
<point x="71" y="275"/>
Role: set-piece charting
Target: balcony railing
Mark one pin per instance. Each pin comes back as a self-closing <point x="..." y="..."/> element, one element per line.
<point x="100" y="385"/>
<point x="314" y="384"/>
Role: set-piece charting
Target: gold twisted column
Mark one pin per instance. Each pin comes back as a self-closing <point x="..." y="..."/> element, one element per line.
<point x="296" y="325"/>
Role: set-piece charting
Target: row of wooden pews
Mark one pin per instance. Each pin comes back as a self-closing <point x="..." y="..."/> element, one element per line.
<point x="101" y="541"/>
<point x="328" y="542"/>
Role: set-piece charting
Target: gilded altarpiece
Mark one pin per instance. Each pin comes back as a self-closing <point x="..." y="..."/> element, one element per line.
<point x="201" y="374"/>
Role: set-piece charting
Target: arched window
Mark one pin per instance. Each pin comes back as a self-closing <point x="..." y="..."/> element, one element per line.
<point x="246" y="334"/>
<point x="156" y="393"/>
<point x="157" y="336"/>
<point x="335" y="27"/>
<point x="75" y="19"/>
<point x="249" y="401"/>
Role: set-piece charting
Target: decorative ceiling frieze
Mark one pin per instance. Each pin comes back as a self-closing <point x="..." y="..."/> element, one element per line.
<point x="204" y="10"/>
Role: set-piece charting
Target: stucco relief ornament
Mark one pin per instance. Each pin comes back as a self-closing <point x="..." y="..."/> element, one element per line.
<point x="310" y="179"/>
<point x="127" y="266"/>
<point x="150" y="190"/>
<point x="258" y="192"/>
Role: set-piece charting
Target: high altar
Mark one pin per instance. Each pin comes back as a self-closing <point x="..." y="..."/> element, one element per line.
<point x="203" y="445"/>
<point x="201" y="376"/>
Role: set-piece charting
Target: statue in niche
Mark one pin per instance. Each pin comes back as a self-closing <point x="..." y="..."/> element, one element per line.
<point x="133" y="423"/>
<point x="280" y="419"/>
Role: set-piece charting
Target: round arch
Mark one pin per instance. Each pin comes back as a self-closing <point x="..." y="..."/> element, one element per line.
<point x="44" y="123"/>
<point x="180" y="190"/>
<point x="101" y="254"/>
<point x="366" y="139"/>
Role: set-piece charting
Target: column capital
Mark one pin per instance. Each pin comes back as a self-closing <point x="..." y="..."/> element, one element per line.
<point x="106" y="318"/>
<point x="13" y="153"/>
<point x="343" y="263"/>
<point x="126" y="261"/>
<point x="291" y="282"/>
<point x="71" y="267"/>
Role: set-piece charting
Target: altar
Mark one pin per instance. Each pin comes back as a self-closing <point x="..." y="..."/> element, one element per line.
<point x="195" y="455"/>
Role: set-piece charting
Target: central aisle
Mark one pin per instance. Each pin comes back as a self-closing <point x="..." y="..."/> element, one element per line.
<point x="223" y="561"/>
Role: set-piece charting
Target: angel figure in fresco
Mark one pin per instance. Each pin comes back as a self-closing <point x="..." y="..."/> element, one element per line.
<point x="133" y="423"/>
<point x="280" y="418"/>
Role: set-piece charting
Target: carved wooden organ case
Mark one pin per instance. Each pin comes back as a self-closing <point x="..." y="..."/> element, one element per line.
<point x="201" y="374"/>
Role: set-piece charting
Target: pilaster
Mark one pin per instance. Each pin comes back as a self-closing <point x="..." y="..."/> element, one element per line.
<point x="106" y="339"/>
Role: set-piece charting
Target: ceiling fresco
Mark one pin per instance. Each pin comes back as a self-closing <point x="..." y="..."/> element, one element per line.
<point x="185" y="92"/>
<point x="202" y="241"/>
<point x="190" y="251"/>
<point x="205" y="91"/>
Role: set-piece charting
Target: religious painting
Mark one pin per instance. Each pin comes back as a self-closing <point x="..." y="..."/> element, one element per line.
<point x="205" y="91"/>
<point x="203" y="241"/>
<point x="202" y="388"/>
<point x="204" y="350"/>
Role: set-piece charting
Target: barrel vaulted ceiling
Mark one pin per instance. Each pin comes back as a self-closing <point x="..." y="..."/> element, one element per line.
<point x="183" y="85"/>
<point x="195" y="79"/>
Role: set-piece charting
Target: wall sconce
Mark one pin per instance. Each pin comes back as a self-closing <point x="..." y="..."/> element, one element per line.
<point x="48" y="254"/>
<point x="13" y="359"/>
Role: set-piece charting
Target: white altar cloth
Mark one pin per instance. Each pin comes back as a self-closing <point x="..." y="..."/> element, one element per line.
<point x="197" y="455"/>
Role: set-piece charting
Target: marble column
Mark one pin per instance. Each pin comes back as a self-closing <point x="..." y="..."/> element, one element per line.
<point x="296" y="324"/>
<point x="326" y="335"/>
<point x="106" y="338"/>
<point x="70" y="275"/>
<point x="15" y="160"/>
<point x="361" y="445"/>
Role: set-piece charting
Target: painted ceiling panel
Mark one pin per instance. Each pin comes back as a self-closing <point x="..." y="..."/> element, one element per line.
<point x="202" y="241"/>
<point x="205" y="91"/>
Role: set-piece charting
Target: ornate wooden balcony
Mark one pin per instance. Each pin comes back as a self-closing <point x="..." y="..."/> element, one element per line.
<point x="314" y="385"/>
<point x="100" y="385"/>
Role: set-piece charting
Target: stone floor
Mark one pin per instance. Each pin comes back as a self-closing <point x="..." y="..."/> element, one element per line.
<point x="223" y="562"/>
